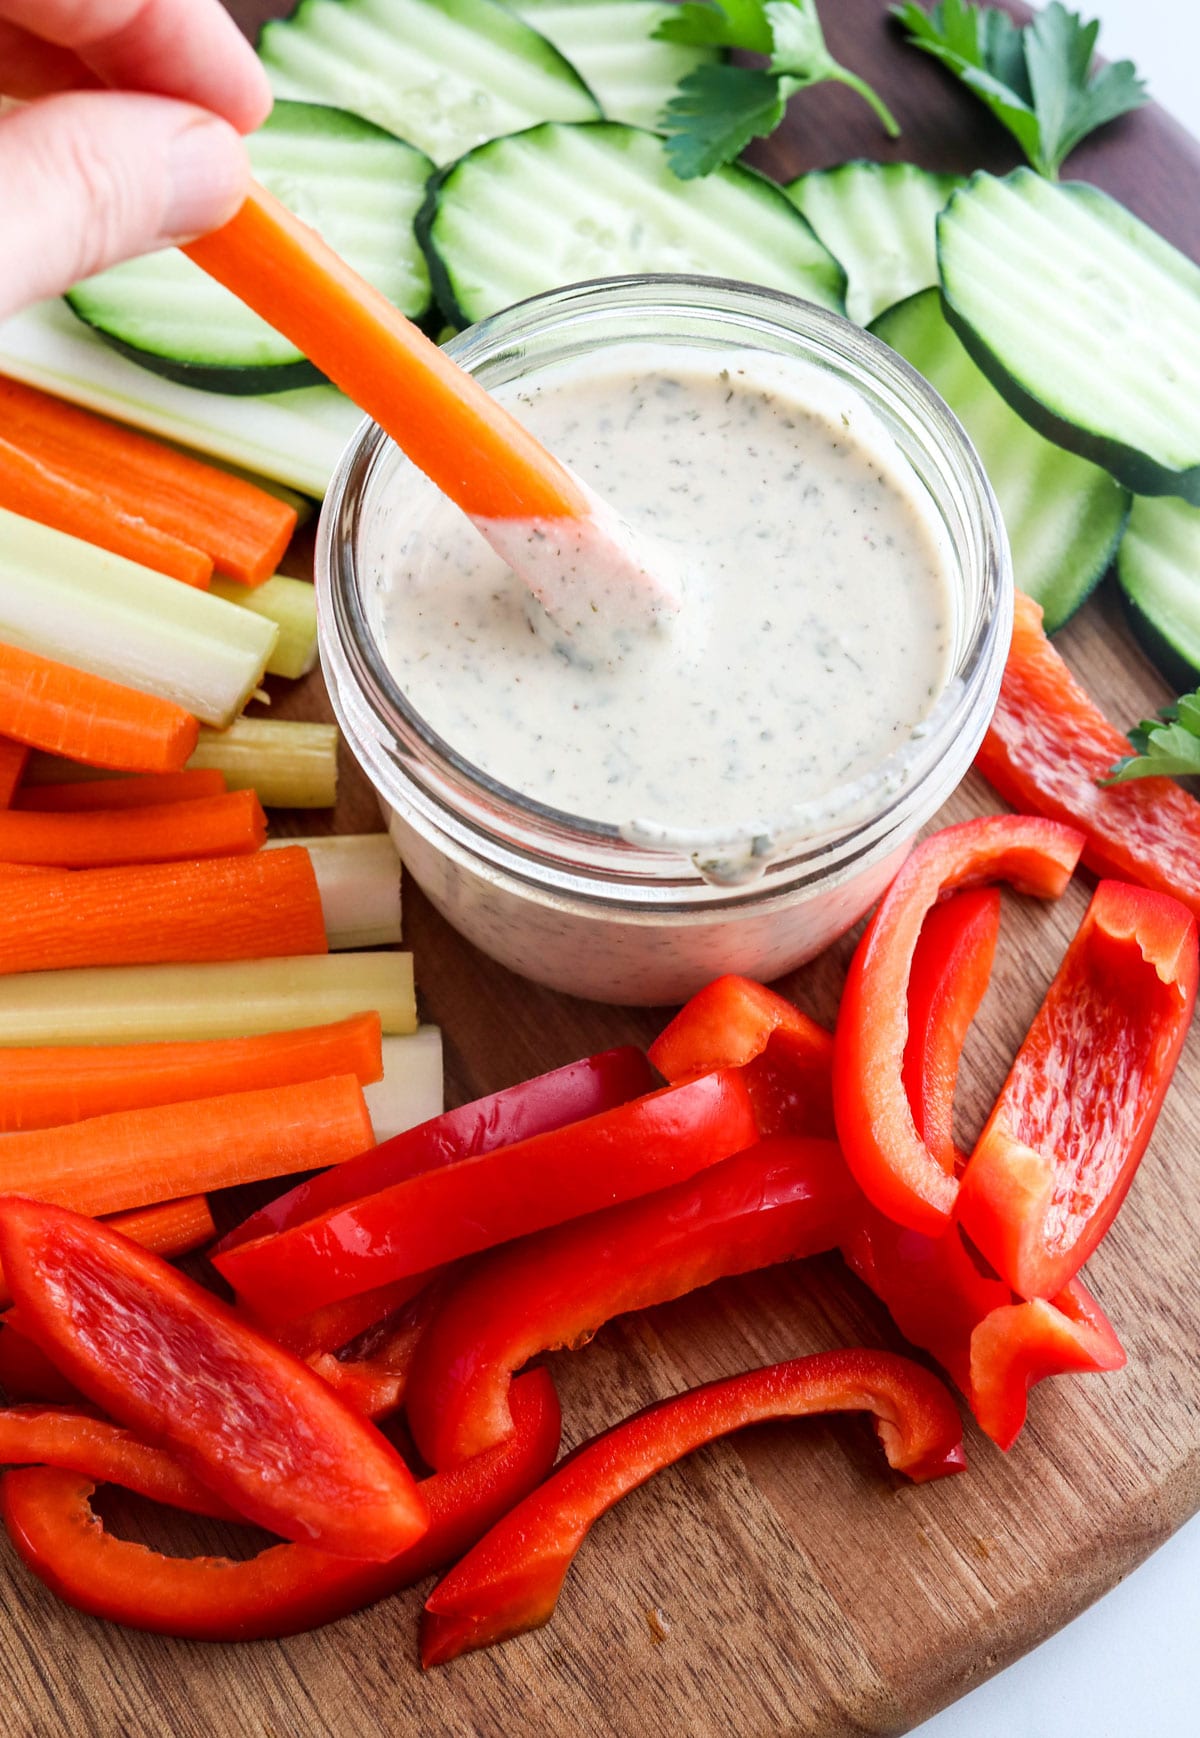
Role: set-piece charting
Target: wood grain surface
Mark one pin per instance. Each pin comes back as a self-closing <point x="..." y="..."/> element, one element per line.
<point x="782" y="1582"/>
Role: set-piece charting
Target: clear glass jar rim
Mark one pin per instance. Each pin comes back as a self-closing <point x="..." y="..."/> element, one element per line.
<point x="831" y="338"/>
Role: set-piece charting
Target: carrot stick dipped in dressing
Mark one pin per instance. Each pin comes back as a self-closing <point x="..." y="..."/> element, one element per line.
<point x="49" y="705"/>
<point x="244" y="529"/>
<point x="36" y="490"/>
<point x="563" y="542"/>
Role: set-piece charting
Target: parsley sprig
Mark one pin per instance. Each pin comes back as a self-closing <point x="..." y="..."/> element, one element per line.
<point x="717" y="110"/>
<point x="1168" y="745"/>
<point x="1037" y="80"/>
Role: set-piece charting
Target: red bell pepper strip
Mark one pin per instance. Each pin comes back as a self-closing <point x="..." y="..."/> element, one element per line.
<point x="439" y="1215"/>
<point x="334" y="1325"/>
<point x="26" y="1373"/>
<point x="161" y="1355"/>
<point x="287" y="1588"/>
<point x="784" y="1056"/>
<point x="951" y="969"/>
<point x="510" y="1581"/>
<point x="782" y="1198"/>
<point x="1068" y="1131"/>
<point x="1047" y="746"/>
<point x="83" y="1443"/>
<point x="878" y="1135"/>
<point x="534" y="1107"/>
<point x="374" y="1380"/>
<point x="1020" y="1343"/>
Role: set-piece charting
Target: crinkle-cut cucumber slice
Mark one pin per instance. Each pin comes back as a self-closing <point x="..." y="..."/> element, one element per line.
<point x="1158" y="570"/>
<point x="878" y="220"/>
<point x="560" y="204"/>
<point x="359" y="186"/>
<point x="1086" y="320"/>
<point x="613" y="45"/>
<point x="1064" y="515"/>
<point x="446" y="74"/>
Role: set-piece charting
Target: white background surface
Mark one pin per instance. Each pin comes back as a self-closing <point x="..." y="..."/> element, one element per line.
<point x="1129" y="1667"/>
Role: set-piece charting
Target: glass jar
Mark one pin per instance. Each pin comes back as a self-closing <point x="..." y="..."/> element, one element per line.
<point x="580" y="905"/>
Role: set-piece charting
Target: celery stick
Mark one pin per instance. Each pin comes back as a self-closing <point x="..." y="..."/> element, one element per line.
<point x="292" y="605"/>
<point x="135" y="1004"/>
<point x="294" y="437"/>
<point x="358" y="877"/>
<point x="291" y="765"/>
<point x="411" y="1089"/>
<point x="68" y="600"/>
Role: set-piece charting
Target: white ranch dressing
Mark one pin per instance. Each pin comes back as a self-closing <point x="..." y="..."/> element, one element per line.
<point x="817" y="621"/>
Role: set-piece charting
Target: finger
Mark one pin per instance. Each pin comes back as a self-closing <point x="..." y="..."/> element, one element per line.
<point x="189" y="49"/>
<point x="30" y="67"/>
<point x="93" y="177"/>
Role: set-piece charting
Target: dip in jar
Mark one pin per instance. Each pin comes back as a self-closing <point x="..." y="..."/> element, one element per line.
<point x="727" y="790"/>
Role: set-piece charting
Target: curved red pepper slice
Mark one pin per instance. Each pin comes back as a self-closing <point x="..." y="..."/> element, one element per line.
<point x="1021" y="1343"/>
<point x="510" y="1581"/>
<point x="781" y="1198"/>
<point x="374" y="1381"/>
<point x="1047" y="746"/>
<point x="1068" y="1131"/>
<point x="287" y="1588"/>
<point x="784" y="1056"/>
<point x="891" y="1162"/>
<point x="532" y="1107"/>
<point x="457" y="1209"/>
<point x="81" y="1442"/>
<point x="177" y="1366"/>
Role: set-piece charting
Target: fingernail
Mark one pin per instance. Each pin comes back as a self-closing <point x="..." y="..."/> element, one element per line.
<point x="207" y="173"/>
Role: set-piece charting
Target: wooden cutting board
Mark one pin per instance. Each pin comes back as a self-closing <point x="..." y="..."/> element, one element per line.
<point x="783" y="1581"/>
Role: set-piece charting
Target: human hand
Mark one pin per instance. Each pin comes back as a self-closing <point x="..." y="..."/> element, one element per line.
<point x="128" y="137"/>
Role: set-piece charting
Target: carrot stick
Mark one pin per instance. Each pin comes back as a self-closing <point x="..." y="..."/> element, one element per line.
<point x="28" y="871"/>
<point x="45" y="704"/>
<point x="160" y="833"/>
<point x="262" y="906"/>
<point x="133" y="1158"/>
<point x="13" y="756"/>
<point x="242" y="528"/>
<point x="34" y="489"/>
<point x="473" y="449"/>
<point x="42" y="1088"/>
<point x="121" y="793"/>
<point x="171" y="1228"/>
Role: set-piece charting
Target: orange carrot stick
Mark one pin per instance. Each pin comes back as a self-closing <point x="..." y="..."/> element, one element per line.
<point x="261" y="906"/>
<point x="133" y="1158"/>
<point x="473" y="449"/>
<point x="34" y="489"/>
<point x="244" y="529"/>
<point x="28" y="871"/>
<point x="121" y="793"/>
<point x="42" y="1088"/>
<point x="13" y="756"/>
<point x="223" y="826"/>
<point x="172" y="1228"/>
<point x="45" y="704"/>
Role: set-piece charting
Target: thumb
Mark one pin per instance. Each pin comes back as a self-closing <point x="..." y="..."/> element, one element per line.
<point x="93" y="177"/>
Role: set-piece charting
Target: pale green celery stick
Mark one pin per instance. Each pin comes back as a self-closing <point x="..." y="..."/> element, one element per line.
<point x="292" y="605"/>
<point x="135" y="1004"/>
<point x="358" y="877"/>
<point x="290" y="764"/>
<point x="411" y="1089"/>
<point x="68" y="600"/>
<point x="294" y="437"/>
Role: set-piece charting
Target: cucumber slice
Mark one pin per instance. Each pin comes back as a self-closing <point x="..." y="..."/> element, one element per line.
<point x="446" y="74"/>
<point x="1064" y="516"/>
<point x="358" y="185"/>
<point x="1086" y="320"/>
<point x="612" y="42"/>
<point x="879" y="220"/>
<point x="559" y="204"/>
<point x="1158" y="571"/>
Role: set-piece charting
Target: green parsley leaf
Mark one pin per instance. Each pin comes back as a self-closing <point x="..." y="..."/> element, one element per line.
<point x="715" y="113"/>
<point x="717" y="110"/>
<point x="1037" y="81"/>
<point x="1167" y="746"/>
